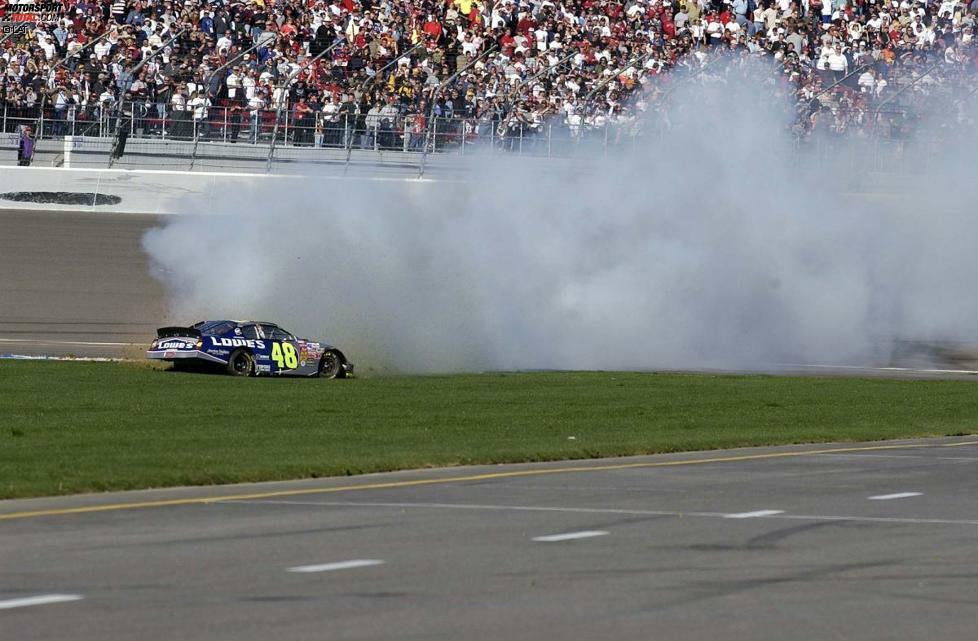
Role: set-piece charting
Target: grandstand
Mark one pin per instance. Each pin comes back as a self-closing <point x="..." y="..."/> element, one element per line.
<point x="528" y="77"/>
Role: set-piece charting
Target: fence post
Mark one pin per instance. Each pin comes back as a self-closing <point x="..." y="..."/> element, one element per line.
<point x="347" y="140"/>
<point x="5" y="117"/>
<point x="461" y="146"/>
<point x="521" y="140"/>
<point x="492" y="136"/>
<point x="285" y="133"/>
<point x="405" y="135"/>
<point x="272" y="143"/>
<point x="40" y="133"/>
<point x="224" y="136"/>
<point x="606" y="125"/>
<point x="550" y="136"/>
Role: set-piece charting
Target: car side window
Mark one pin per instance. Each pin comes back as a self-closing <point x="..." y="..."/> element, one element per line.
<point x="219" y="329"/>
<point x="249" y="331"/>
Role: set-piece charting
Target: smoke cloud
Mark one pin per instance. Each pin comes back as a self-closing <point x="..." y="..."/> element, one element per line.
<point x="713" y="244"/>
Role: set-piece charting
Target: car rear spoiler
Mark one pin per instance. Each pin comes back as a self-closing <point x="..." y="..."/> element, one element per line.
<point x="167" y="332"/>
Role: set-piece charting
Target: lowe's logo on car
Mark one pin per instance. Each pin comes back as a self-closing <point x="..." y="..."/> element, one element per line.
<point x="237" y="342"/>
<point x="175" y="345"/>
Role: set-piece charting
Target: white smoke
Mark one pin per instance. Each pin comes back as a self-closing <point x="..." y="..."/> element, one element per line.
<point x="710" y="245"/>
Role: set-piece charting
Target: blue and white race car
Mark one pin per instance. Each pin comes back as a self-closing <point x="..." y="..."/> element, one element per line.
<point x="246" y="348"/>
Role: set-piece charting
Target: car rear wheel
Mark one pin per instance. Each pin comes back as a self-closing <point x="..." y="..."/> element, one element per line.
<point x="241" y="363"/>
<point x="331" y="365"/>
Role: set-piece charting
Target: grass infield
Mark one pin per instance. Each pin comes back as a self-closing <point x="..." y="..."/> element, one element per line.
<point x="81" y="427"/>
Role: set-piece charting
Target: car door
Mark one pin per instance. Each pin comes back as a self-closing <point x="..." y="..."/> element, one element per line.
<point x="284" y="351"/>
<point x="255" y="338"/>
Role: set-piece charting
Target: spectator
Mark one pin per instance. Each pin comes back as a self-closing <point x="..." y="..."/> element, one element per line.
<point x="199" y="104"/>
<point x="25" y="148"/>
<point x="615" y="54"/>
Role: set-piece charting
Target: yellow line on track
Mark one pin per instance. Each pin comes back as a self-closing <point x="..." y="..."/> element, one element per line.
<point x="462" y="479"/>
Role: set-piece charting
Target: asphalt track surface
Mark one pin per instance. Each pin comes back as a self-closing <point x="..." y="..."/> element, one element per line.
<point x="76" y="283"/>
<point x="776" y="543"/>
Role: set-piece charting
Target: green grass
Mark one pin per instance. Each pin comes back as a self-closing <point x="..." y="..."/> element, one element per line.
<point x="79" y="427"/>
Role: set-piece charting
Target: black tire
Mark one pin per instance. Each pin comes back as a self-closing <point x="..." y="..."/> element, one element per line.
<point x="241" y="363"/>
<point x="331" y="365"/>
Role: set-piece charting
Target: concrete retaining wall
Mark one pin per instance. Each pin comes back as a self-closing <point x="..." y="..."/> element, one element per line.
<point x="148" y="191"/>
<point x="153" y="153"/>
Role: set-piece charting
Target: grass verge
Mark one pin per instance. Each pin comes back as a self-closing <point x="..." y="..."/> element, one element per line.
<point x="79" y="427"/>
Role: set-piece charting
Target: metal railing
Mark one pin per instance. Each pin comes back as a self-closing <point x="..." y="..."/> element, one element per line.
<point x="255" y="128"/>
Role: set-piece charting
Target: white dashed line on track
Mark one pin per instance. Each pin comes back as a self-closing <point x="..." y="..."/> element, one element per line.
<point x="585" y="510"/>
<point x="569" y="536"/>
<point x="753" y="515"/>
<point x="961" y="459"/>
<point x="898" y="495"/>
<point x="43" y="599"/>
<point x="340" y="565"/>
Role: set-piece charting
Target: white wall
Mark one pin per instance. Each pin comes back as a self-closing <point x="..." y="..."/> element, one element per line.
<point x="140" y="191"/>
<point x="148" y="191"/>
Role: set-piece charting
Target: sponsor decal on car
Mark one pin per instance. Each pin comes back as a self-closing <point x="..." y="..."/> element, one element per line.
<point x="263" y="368"/>
<point x="310" y="352"/>
<point x="175" y="345"/>
<point x="237" y="342"/>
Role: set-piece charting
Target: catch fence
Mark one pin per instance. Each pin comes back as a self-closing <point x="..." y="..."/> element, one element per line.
<point x="230" y="137"/>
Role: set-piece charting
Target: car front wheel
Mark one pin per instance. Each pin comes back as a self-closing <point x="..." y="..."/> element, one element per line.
<point x="331" y="365"/>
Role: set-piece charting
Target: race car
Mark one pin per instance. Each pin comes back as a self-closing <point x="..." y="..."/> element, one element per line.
<point x="248" y="348"/>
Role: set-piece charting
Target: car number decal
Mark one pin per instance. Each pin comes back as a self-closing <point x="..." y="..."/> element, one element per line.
<point x="284" y="355"/>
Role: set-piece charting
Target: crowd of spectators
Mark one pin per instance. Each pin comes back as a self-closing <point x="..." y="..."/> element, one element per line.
<point x="375" y="72"/>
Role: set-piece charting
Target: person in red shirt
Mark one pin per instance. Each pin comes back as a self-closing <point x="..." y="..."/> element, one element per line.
<point x="360" y="41"/>
<point x="668" y="26"/>
<point x="432" y="27"/>
<point x="507" y="43"/>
